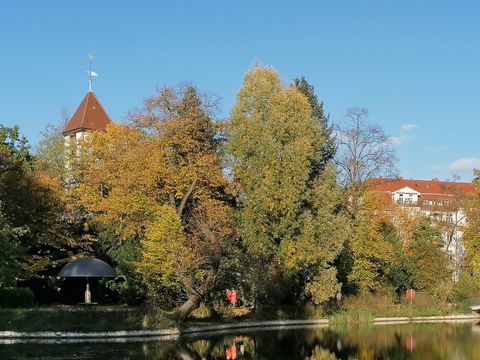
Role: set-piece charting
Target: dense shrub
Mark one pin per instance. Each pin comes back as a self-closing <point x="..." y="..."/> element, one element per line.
<point x="16" y="297"/>
<point x="468" y="286"/>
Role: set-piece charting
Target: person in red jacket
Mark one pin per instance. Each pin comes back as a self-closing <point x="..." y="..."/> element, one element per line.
<point x="229" y="296"/>
<point x="233" y="297"/>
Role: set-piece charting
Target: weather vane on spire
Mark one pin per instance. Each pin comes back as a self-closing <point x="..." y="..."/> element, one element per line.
<point x="91" y="73"/>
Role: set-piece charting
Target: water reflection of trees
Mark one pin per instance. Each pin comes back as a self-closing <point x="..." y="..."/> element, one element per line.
<point x="393" y="342"/>
<point x="411" y="341"/>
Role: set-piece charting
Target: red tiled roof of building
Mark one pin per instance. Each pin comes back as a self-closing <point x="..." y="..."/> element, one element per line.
<point x="89" y="115"/>
<point x="434" y="195"/>
<point x="430" y="187"/>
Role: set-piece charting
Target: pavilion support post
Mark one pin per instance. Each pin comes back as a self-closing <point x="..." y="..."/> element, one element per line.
<point x="88" y="294"/>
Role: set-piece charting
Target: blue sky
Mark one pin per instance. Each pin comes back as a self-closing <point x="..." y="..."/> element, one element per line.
<point x="414" y="64"/>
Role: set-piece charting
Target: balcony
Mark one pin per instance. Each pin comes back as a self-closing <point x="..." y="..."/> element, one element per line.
<point x="406" y="202"/>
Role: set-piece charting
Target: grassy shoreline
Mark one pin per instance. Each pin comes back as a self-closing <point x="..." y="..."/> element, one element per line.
<point x="119" y="318"/>
<point x="81" y="319"/>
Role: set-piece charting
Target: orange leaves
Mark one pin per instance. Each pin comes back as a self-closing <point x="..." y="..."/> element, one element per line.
<point x="119" y="176"/>
<point x="375" y="203"/>
<point x="213" y="229"/>
<point x="160" y="180"/>
<point x="181" y="124"/>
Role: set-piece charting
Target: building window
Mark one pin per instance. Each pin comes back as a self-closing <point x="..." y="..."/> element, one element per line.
<point x="451" y="255"/>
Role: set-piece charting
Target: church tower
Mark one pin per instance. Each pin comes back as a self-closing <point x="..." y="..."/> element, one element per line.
<point x="89" y="116"/>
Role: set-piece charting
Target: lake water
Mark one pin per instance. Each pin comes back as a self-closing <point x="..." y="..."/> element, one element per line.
<point x="408" y="341"/>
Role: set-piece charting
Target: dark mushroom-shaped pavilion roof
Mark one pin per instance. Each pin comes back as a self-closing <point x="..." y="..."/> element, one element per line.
<point x="87" y="267"/>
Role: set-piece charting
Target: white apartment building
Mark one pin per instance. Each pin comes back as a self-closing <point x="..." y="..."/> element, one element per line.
<point x="441" y="201"/>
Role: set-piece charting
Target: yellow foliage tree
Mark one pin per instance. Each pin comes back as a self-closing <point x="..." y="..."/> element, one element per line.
<point x="161" y="180"/>
<point x="370" y="250"/>
<point x="471" y="236"/>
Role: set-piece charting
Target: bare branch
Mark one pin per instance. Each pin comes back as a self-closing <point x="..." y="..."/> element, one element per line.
<point x="364" y="150"/>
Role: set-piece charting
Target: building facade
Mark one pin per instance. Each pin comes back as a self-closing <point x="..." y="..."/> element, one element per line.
<point x="442" y="201"/>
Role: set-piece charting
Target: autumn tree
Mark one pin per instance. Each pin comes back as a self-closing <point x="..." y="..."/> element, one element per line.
<point x="57" y="162"/>
<point x="372" y="246"/>
<point x="190" y="255"/>
<point x="51" y="155"/>
<point x="30" y="201"/>
<point x="160" y="180"/>
<point x="471" y="236"/>
<point x="395" y="248"/>
<point x="287" y="217"/>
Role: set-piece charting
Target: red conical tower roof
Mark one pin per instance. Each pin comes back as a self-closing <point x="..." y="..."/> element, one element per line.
<point x="89" y="115"/>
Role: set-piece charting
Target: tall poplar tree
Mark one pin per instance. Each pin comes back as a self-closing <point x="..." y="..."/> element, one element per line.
<point x="287" y="217"/>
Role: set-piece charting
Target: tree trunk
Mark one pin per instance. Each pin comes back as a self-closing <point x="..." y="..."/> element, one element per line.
<point x="188" y="307"/>
<point x="196" y="298"/>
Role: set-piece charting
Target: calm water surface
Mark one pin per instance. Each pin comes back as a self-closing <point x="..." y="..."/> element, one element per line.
<point x="408" y="341"/>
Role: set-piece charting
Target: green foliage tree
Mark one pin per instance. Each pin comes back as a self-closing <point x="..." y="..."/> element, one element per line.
<point x="31" y="202"/>
<point x="10" y="253"/>
<point x="51" y="155"/>
<point x="12" y="144"/>
<point x="429" y="264"/>
<point x="287" y="218"/>
<point x="128" y="283"/>
<point x="398" y="273"/>
<point x="327" y="148"/>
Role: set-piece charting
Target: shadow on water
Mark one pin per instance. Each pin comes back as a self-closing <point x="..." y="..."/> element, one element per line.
<point x="406" y="341"/>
